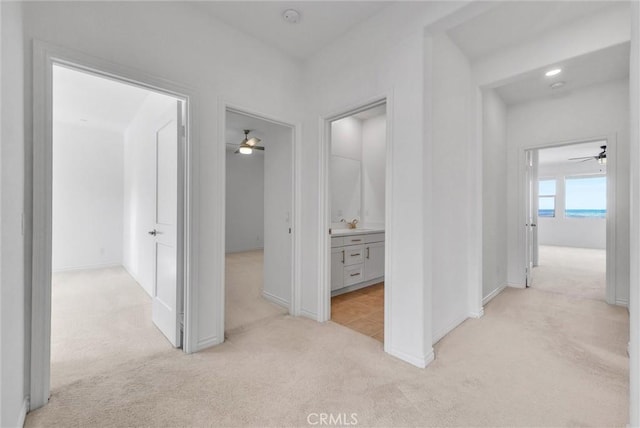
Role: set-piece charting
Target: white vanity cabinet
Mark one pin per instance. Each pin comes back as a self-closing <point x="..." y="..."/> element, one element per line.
<point x="357" y="260"/>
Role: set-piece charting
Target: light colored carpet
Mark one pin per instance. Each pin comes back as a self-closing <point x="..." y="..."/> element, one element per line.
<point x="244" y="304"/>
<point x="578" y="272"/>
<point x="534" y="359"/>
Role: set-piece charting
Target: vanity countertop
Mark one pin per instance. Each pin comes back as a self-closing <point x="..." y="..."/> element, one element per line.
<point x="348" y="232"/>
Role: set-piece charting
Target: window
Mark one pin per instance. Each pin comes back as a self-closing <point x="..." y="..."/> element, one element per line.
<point x="546" y="198"/>
<point x="586" y="197"/>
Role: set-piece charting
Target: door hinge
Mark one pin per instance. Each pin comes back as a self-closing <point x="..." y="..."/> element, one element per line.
<point x="329" y="231"/>
<point x="181" y="317"/>
<point x="289" y="231"/>
<point x="183" y="131"/>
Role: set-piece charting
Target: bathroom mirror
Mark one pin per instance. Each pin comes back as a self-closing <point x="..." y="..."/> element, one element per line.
<point x="346" y="188"/>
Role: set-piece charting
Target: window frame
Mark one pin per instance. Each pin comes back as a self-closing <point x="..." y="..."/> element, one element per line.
<point x="554" y="196"/>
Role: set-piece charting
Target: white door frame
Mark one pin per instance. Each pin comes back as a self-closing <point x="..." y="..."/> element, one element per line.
<point x="611" y="140"/>
<point x="324" y="280"/>
<point x="296" y="205"/>
<point x="44" y="57"/>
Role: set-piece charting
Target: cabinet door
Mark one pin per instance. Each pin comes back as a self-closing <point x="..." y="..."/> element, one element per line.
<point x="337" y="268"/>
<point x="374" y="261"/>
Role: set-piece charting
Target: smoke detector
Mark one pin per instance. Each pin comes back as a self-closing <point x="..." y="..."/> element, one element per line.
<point x="291" y="16"/>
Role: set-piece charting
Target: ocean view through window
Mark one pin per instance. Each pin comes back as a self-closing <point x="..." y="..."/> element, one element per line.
<point x="586" y="197"/>
<point x="546" y="198"/>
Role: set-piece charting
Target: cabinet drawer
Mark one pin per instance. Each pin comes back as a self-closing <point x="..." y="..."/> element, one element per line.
<point x="354" y="240"/>
<point x="353" y="274"/>
<point x="337" y="242"/>
<point x="353" y="254"/>
<point x="374" y="237"/>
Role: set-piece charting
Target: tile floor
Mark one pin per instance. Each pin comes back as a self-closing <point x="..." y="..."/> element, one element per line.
<point x="361" y="310"/>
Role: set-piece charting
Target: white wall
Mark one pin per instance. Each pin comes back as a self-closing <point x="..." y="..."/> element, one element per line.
<point x="567" y="231"/>
<point x="346" y="138"/>
<point x="494" y="194"/>
<point x="382" y="56"/>
<point x="278" y="200"/>
<point x="13" y="296"/>
<point x="176" y="41"/>
<point x="449" y="169"/>
<point x="88" y="192"/>
<point x="596" y="111"/>
<point x="245" y="223"/>
<point x="374" y="157"/>
<point x="139" y="206"/>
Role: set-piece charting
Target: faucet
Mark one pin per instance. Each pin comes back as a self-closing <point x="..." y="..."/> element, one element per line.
<point x="352" y="223"/>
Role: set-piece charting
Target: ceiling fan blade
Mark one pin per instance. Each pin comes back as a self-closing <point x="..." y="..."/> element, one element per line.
<point x="586" y="160"/>
<point x="257" y="148"/>
<point x="237" y="151"/>
<point x="253" y="141"/>
<point x="584" y="157"/>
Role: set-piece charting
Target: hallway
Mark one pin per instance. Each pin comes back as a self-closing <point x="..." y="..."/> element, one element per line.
<point x="563" y="364"/>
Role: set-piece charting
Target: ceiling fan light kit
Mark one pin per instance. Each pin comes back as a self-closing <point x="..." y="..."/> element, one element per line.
<point x="248" y="145"/>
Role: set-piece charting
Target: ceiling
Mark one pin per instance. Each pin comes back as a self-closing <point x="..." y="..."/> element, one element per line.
<point x="596" y="67"/>
<point x="557" y="155"/>
<point x="320" y="23"/>
<point x="260" y="128"/>
<point x="88" y="100"/>
<point x="514" y="22"/>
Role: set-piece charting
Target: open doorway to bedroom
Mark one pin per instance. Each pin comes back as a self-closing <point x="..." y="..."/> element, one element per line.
<point x="116" y="290"/>
<point x="259" y="218"/>
<point x="568" y="225"/>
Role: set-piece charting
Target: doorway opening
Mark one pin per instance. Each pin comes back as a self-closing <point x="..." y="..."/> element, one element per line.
<point x="569" y="207"/>
<point x="111" y="181"/>
<point x="357" y="186"/>
<point x="259" y="265"/>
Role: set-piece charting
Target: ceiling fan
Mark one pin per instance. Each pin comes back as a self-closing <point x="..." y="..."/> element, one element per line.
<point x="248" y="145"/>
<point x="600" y="157"/>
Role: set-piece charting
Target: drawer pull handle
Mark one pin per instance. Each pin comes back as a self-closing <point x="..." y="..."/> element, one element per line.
<point x="355" y="274"/>
<point x="355" y="254"/>
<point x="342" y="256"/>
<point x="356" y="240"/>
<point x="368" y="252"/>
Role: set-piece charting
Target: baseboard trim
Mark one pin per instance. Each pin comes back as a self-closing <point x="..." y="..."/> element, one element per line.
<point x="514" y="285"/>
<point x="88" y="267"/>
<point x="420" y="362"/>
<point x="275" y="299"/>
<point x="493" y="294"/>
<point x="477" y="314"/>
<point x="22" y="416"/>
<point x="308" y="314"/>
<point x="449" y="328"/>
<point x="621" y="302"/>
<point x="207" y="342"/>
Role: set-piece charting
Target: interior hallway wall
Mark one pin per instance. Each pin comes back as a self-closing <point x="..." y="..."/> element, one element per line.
<point x="451" y="125"/>
<point x="596" y="111"/>
<point x="494" y="194"/>
<point x="14" y="273"/>
<point x="88" y="193"/>
<point x="139" y="207"/>
<point x="245" y="223"/>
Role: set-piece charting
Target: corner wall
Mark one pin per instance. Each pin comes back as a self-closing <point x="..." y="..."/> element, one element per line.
<point x="494" y="195"/>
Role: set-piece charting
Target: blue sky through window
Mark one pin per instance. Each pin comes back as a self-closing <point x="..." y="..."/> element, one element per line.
<point x="586" y="193"/>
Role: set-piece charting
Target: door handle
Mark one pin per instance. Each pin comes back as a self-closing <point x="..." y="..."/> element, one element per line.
<point x="153" y="232"/>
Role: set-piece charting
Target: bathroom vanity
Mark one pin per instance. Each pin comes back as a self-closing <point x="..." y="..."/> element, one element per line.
<point x="357" y="259"/>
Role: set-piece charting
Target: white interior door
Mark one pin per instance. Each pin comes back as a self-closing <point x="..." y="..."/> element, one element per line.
<point x="278" y="206"/>
<point x="531" y="209"/>
<point x="167" y="292"/>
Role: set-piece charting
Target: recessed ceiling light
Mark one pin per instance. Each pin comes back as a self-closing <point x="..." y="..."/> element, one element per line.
<point x="291" y="16"/>
<point x="553" y="72"/>
<point x="557" y="85"/>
